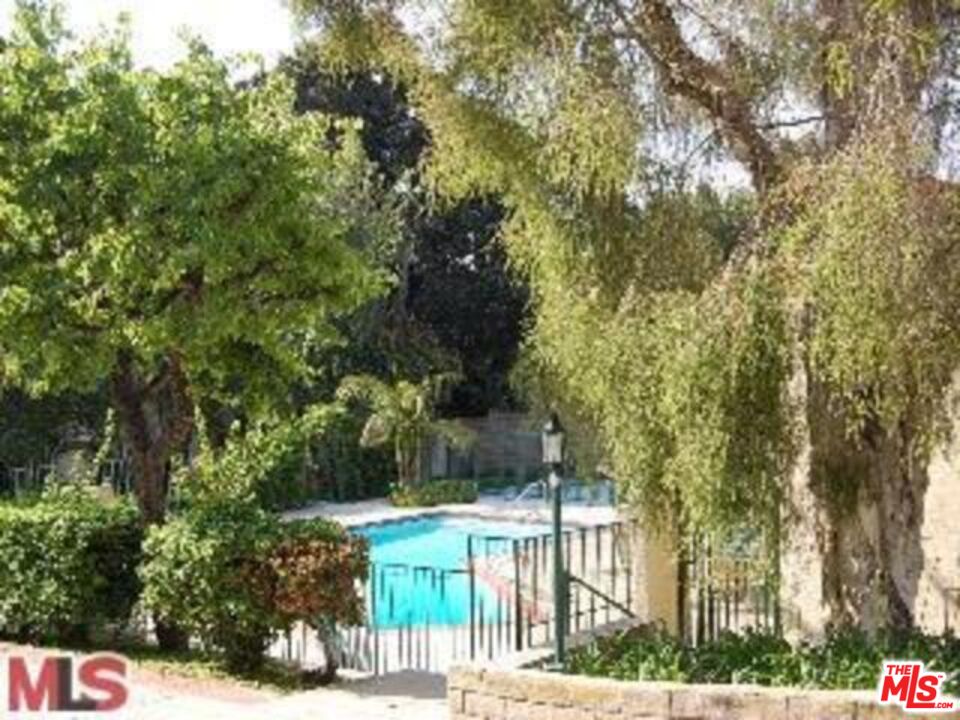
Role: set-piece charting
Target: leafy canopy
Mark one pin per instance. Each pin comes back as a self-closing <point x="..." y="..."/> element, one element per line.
<point x="670" y="320"/>
<point x="151" y="215"/>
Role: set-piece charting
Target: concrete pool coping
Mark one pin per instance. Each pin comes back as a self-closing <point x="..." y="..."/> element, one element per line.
<point x="380" y="511"/>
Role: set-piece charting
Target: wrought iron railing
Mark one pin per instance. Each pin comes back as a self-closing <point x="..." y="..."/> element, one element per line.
<point x="727" y="585"/>
<point x="500" y="602"/>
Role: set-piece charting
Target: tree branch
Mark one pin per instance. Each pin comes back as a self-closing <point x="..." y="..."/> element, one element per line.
<point x="794" y="122"/>
<point x="704" y="83"/>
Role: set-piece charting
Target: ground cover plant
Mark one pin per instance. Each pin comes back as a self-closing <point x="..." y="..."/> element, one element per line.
<point x="846" y="659"/>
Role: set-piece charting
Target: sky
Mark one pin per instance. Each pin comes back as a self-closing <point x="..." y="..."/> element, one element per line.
<point x="228" y="26"/>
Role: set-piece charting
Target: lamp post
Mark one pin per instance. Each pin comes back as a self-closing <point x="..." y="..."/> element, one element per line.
<point x="553" y="438"/>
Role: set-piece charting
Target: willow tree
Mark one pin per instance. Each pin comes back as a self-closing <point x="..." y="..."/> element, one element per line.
<point x="821" y="342"/>
<point x="168" y="234"/>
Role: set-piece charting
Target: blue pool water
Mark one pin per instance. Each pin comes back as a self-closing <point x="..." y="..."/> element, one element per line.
<point x="419" y="568"/>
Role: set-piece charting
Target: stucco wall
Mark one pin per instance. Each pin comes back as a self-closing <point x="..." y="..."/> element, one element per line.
<point x="505" y="444"/>
<point x="938" y="598"/>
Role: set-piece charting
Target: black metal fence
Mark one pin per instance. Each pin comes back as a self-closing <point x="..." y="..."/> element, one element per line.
<point x="427" y="618"/>
<point x="728" y="585"/>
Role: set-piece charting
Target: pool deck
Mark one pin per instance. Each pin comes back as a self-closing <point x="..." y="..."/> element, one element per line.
<point x="378" y="511"/>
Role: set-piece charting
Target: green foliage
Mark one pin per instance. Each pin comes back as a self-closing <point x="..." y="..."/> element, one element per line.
<point x="435" y="492"/>
<point x="402" y="414"/>
<point x="846" y="659"/>
<point x="873" y="251"/>
<point x="266" y="461"/>
<point x="30" y="428"/>
<point x="684" y="387"/>
<point x="147" y="212"/>
<point x="234" y="575"/>
<point x="456" y="303"/>
<point x="286" y="462"/>
<point x="668" y="322"/>
<point x="342" y="469"/>
<point x="193" y="575"/>
<point x="70" y="564"/>
<point x="178" y="234"/>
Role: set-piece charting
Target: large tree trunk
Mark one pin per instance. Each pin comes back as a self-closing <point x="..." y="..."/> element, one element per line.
<point x="853" y="551"/>
<point x="869" y="492"/>
<point x="155" y="417"/>
<point x="868" y="486"/>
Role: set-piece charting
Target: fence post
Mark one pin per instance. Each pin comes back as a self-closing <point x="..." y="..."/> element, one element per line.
<point x="373" y="620"/>
<point x="517" y="597"/>
<point x="473" y="593"/>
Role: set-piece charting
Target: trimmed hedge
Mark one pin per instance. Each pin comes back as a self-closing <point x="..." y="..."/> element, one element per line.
<point x="233" y="575"/>
<point x="847" y="659"/>
<point x="435" y="492"/>
<point x="69" y="563"/>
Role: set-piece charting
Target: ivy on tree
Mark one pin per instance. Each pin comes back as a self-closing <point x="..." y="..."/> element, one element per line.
<point x="169" y="233"/>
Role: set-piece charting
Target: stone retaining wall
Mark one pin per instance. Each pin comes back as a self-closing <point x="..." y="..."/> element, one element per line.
<point x="493" y="694"/>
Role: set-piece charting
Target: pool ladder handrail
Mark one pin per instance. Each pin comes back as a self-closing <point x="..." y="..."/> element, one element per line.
<point x="529" y="486"/>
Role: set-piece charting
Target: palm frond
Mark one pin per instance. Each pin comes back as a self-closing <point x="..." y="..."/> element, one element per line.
<point x="456" y="433"/>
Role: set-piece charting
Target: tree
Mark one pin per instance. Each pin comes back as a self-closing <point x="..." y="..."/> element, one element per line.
<point x="463" y="291"/>
<point x="456" y="303"/>
<point x="820" y="345"/>
<point x="403" y="414"/>
<point x="171" y="234"/>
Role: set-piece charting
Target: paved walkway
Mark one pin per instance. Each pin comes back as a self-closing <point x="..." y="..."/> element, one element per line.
<point x="495" y="508"/>
<point x="403" y="696"/>
<point x="157" y="695"/>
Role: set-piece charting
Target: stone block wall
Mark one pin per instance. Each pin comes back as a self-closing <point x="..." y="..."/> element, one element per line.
<point x="479" y="693"/>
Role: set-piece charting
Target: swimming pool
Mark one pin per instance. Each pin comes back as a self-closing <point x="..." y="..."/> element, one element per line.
<point x="419" y="568"/>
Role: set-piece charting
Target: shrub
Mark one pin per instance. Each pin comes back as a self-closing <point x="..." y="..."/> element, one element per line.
<point x="435" y="492"/>
<point x="311" y="572"/>
<point x="342" y="469"/>
<point x="847" y="659"/>
<point x="70" y="564"/>
<point x="233" y="575"/>
<point x="193" y="577"/>
<point x="336" y="467"/>
<point x="267" y="461"/>
<point x="284" y="486"/>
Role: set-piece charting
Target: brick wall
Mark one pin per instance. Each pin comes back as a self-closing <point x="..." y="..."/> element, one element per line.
<point x="494" y="694"/>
